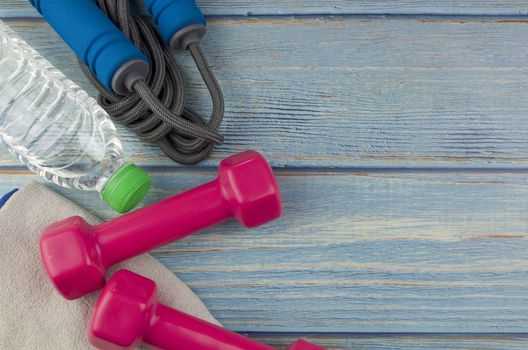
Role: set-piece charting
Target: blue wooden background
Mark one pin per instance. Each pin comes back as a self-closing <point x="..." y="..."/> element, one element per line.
<point x="399" y="132"/>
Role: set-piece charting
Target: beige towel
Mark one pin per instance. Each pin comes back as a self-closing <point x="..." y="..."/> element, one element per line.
<point x="32" y="314"/>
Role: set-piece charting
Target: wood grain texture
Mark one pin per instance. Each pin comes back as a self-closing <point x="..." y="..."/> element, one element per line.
<point x="436" y="247"/>
<point x="355" y="93"/>
<point x="20" y="8"/>
<point x="360" y="252"/>
<point x="402" y="341"/>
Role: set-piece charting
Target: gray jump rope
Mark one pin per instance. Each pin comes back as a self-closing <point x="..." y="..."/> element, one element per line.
<point x="155" y="110"/>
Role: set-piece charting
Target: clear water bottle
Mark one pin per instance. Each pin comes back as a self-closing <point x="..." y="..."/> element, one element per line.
<point x="52" y="126"/>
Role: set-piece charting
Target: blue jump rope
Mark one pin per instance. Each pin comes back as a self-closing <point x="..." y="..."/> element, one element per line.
<point x="128" y="59"/>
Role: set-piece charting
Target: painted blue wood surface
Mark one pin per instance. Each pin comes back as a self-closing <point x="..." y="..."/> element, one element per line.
<point x="396" y="93"/>
<point x="404" y="341"/>
<point x="360" y="252"/>
<point x="20" y="8"/>
<point x="402" y="143"/>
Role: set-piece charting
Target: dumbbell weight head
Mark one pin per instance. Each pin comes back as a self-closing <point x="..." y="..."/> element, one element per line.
<point x="70" y="255"/>
<point x="121" y="312"/>
<point x="254" y="202"/>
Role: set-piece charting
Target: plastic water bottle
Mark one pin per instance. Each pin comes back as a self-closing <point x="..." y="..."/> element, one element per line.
<point x="52" y="126"/>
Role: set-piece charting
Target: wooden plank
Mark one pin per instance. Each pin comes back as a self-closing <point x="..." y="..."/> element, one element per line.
<point x="401" y="341"/>
<point x="21" y="8"/>
<point x="355" y="93"/>
<point x="360" y="252"/>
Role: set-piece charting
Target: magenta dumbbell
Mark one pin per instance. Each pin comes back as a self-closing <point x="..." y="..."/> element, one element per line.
<point x="128" y="313"/>
<point x="76" y="255"/>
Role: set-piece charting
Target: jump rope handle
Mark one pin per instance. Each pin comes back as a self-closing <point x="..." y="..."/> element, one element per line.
<point x="180" y="22"/>
<point x="111" y="57"/>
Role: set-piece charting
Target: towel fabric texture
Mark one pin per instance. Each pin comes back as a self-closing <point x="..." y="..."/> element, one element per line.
<point x="32" y="314"/>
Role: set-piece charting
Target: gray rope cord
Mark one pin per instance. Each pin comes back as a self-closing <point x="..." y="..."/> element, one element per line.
<point x="155" y="109"/>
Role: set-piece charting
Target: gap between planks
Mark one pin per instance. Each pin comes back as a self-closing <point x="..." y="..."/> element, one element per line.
<point x="308" y="171"/>
<point x="290" y="7"/>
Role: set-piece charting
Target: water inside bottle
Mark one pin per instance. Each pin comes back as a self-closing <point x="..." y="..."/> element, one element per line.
<point x="50" y="123"/>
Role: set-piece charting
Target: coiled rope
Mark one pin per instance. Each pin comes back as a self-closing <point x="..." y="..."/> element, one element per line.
<point x="155" y="109"/>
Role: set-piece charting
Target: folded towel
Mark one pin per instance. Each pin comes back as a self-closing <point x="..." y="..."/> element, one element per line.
<point x="32" y="314"/>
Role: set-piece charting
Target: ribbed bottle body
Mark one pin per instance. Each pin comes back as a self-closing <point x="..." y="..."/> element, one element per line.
<point x="50" y="124"/>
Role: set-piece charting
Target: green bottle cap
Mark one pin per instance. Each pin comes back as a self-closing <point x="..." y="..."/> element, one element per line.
<point x="126" y="188"/>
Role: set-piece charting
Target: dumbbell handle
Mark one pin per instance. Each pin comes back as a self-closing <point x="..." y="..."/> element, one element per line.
<point x="173" y="330"/>
<point x="96" y="40"/>
<point x="158" y="224"/>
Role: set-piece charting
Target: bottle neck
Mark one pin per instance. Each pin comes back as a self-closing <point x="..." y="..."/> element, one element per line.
<point x="112" y="168"/>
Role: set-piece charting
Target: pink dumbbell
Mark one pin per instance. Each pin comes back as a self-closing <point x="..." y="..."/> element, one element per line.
<point x="77" y="255"/>
<point x="128" y="313"/>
